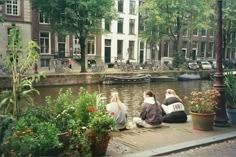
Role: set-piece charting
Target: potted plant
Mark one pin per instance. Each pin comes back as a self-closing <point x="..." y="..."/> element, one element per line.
<point x="202" y="106"/>
<point x="230" y="95"/>
<point x="62" y="109"/>
<point x="100" y="127"/>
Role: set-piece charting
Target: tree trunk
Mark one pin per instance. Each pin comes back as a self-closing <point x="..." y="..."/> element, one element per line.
<point x="179" y="34"/>
<point x="83" y="58"/>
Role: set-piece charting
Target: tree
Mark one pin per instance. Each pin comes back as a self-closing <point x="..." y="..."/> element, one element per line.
<point x="80" y="18"/>
<point x="229" y="24"/>
<point x="172" y="18"/>
<point x="19" y="62"/>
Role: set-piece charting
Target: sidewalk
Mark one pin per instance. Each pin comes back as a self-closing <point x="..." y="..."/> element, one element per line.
<point x="165" y="140"/>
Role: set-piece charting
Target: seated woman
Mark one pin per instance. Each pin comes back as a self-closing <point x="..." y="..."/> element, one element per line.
<point x="172" y="108"/>
<point x="150" y="116"/>
<point x="119" y="109"/>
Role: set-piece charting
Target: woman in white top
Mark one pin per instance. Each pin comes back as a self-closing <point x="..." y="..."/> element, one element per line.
<point x="173" y="108"/>
<point x="118" y="109"/>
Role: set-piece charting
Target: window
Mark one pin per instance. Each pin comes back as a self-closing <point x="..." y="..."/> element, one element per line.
<point x="210" y="49"/>
<point x="120" y="25"/>
<point x="185" y="32"/>
<point x="132" y="6"/>
<point x="119" y="49"/>
<point x="203" y="49"/>
<point x="44" y="42"/>
<point x="195" y="32"/>
<point x="44" y="62"/>
<point x="43" y="19"/>
<point x="204" y="32"/>
<point x="184" y="48"/>
<point x="76" y="46"/>
<point x="12" y="7"/>
<point x="141" y="23"/>
<point x="107" y="26"/>
<point x="232" y="38"/>
<point x="107" y="42"/>
<point x="120" y="5"/>
<point x="194" y="44"/>
<point x="228" y="53"/>
<point x="211" y="33"/>
<point x="17" y="35"/>
<point x="166" y="49"/>
<point x="131" y="26"/>
<point x="91" y="45"/>
<point x="233" y="53"/>
<point x="131" y="50"/>
<point x="61" y="44"/>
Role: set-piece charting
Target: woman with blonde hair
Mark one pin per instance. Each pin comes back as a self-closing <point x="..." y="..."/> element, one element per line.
<point x="150" y="115"/>
<point x="172" y="108"/>
<point x="118" y="110"/>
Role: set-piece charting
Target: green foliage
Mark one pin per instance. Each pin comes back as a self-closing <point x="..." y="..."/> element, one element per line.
<point x="6" y="123"/>
<point x="230" y="92"/>
<point x="62" y="110"/>
<point x="101" y="122"/>
<point x="178" y="60"/>
<point x="229" y="23"/>
<point x="171" y="18"/>
<point x="31" y="136"/>
<point x="78" y="17"/>
<point x="19" y="62"/>
<point x="84" y="100"/>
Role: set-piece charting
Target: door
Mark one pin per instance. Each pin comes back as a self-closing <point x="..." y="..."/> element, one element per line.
<point x="194" y="53"/>
<point x="107" y="51"/>
<point x="141" y="57"/>
<point x="107" y="54"/>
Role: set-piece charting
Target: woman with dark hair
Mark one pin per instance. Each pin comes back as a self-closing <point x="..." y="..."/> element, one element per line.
<point x="150" y="115"/>
<point x="173" y="108"/>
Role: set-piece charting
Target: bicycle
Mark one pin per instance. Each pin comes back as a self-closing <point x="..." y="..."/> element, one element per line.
<point x="60" y="65"/>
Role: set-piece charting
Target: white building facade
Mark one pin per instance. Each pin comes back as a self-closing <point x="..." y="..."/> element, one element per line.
<point x="121" y="41"/>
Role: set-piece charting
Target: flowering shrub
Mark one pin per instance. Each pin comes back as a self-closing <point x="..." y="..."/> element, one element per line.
<point x="62" y="109"/>
<point x="100" y="122"/>
<point x="203" y="101"/>
<point x="30" y="137"/>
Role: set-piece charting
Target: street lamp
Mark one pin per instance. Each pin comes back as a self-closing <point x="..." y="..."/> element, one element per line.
<point x="221" y="119"/>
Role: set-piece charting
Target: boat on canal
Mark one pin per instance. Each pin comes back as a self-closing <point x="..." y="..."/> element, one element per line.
<point x="189" y="77"/>
<point x="163" y="78"/>
<point x="141" y="78"/>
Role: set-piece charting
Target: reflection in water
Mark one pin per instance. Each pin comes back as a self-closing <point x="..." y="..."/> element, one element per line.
<point x="131" y="94"/>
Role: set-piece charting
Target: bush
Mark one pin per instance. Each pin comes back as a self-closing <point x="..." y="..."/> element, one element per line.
<point x="62" y="110"/>
<point x="30" y="137"/>
<point x="178" y="60"/>
<point x="84" y="100"/>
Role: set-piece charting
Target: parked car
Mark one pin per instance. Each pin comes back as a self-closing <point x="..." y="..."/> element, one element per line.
<point x="205" y="65"/>
<point x="214" y="65"/>
<point x="193" y="66"/>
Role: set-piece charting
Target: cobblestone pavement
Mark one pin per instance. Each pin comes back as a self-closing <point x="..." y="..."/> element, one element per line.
<point x="222" y="149"/>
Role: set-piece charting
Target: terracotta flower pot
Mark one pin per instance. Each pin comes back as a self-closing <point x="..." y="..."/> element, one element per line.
<point x="99" y="144"/>
<point x="203" y="122"/>
<point x="64" y="138"/>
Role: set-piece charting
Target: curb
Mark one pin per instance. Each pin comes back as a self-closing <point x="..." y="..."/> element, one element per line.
<point x="185" y="145"/>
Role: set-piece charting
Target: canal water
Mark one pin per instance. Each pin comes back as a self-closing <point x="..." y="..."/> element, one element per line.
<point x="130" y="94"/>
